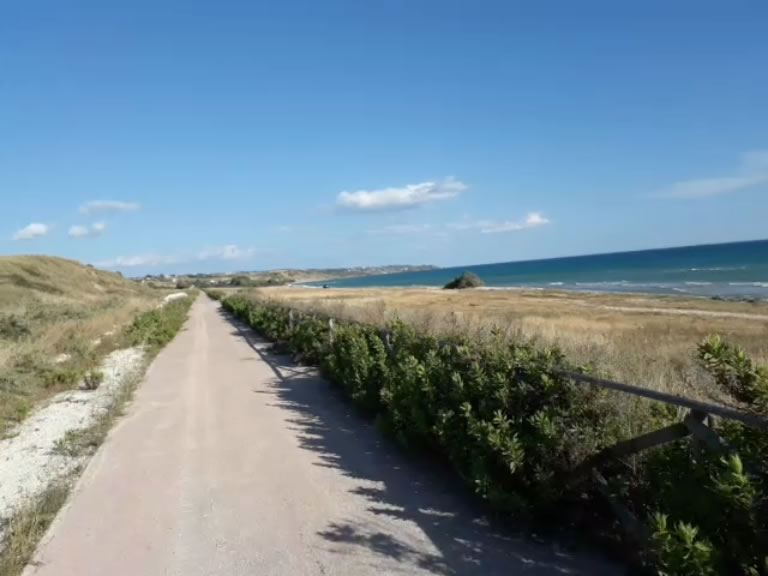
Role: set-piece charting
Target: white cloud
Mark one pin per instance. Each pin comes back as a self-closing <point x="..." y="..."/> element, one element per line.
<point x="34" y="230"/>
<point x="149" y="260"/>
<point x="709" y="187"/>
<point x="79" y="231"/>
<point x="533" y="220"/>
<point x="487" y="226"/>
<point x="227" y="252"/>
<point x="752" y="172"/>
<point x="108" y="206"/>
<point x="470" y="224"/>
<point x="402" y="229"/>
<point x="96" y="229"/>
<point x="408" y="196"/>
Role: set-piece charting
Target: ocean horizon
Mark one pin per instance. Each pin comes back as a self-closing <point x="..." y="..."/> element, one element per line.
<point x="729" y="270"/>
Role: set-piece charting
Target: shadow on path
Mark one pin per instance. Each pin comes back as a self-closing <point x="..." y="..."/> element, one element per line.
<point x="398" y="488"/>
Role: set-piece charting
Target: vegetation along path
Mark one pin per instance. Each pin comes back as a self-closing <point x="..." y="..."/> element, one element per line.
<point x="232" y="461"/>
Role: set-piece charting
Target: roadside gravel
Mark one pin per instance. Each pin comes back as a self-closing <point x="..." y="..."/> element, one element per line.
<point x="29" y="460"/>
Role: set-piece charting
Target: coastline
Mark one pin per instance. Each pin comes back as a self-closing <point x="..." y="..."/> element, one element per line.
<point x="735" y="270"/>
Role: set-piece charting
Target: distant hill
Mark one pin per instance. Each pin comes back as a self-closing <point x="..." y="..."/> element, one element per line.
<point x="47" y="277"/>
<point x="280" y="276"/>
<point x="309" y="275"/>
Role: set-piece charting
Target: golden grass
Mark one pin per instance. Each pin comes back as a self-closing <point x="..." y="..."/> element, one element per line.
<point x="644" y="340"/>
<point x="22" y="276"/>
<point x="57" y="318"/>
<point x="27" y="527"/>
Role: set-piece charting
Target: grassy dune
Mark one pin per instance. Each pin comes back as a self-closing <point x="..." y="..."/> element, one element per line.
<point x="646" y="340"/>
<point x="57" y="318"/>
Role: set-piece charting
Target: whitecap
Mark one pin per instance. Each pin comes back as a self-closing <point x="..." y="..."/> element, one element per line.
<point x="755" y="284"/>
<point x="718" y="269"/>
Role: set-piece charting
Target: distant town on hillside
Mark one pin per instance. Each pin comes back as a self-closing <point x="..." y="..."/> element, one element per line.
<point x="276" y="277"/>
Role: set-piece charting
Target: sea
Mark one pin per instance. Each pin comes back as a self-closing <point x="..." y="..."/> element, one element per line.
<point x="735" y="270"/>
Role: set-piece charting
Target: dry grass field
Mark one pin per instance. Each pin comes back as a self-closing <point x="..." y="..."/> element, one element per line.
<point x="57" y="318"/>
<point x="644" y="340"/>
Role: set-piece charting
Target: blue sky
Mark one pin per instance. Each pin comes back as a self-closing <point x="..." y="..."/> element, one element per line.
<point x="200" y="136"/>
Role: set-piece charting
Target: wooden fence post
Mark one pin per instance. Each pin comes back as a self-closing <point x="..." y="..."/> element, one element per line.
<point x="388" y="343"/>
<point x="330" y="330"/>
<point x="386" y="337"/>
<point x="290" y="321"/>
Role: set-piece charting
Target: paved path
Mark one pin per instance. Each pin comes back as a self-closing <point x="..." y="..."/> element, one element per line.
<point x="234" y="462"/>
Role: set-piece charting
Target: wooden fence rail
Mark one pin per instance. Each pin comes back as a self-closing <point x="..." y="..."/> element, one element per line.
<point x="747" y="418"/>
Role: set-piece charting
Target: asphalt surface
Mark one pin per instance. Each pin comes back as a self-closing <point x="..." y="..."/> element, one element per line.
<point x="232" y="461"/>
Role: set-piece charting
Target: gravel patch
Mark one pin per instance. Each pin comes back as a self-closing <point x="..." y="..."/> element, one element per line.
<point x="29" y="461"/>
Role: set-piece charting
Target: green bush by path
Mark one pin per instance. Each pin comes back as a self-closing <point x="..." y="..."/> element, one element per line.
<point x="515" y="429"/>
<point x="217" y="295"/>
<point x="357" y="361"/>
<point x="157" y="327"/>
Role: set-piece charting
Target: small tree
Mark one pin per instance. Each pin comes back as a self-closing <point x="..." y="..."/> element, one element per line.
<point x="93" y="379"/>
<point x="466" y="280"/>
<point x="241" y="281"/>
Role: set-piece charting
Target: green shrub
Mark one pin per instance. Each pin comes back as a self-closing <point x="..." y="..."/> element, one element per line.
<point x="93" y="379"/>
<point x="357" y="361"/>
<point x="308" y="339"/>
<point x="466" y="280"/>
<point x="679" y="550"/>
<point x="157" y="327"/>
<point x="13" y="327"/>
<point x="735" y="373"/>
<point x="723" y="498"/>
<point x="60" y="377"/>
<point x="215" y="294"/>
<point x="241" y="281"/>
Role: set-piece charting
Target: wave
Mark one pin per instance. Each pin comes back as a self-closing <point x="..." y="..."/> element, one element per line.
<point x="718" y="269"/>
<point x="689" y="288"/>
<point x="610" y="283"/>
<point x="754" y="284"/>
<point x="516" y="287"/>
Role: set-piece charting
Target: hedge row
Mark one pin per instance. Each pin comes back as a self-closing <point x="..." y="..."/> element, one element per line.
<point x="515" y="430"/>
<point x="157" y="327"/>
